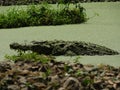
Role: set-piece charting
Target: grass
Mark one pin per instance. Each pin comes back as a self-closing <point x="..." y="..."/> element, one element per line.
<point x="29" y="56"/>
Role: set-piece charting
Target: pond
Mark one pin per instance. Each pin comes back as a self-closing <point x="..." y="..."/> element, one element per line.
<point x="103" y="30"/>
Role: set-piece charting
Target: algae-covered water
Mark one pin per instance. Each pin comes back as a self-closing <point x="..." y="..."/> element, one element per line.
<point x="103" y="30"/>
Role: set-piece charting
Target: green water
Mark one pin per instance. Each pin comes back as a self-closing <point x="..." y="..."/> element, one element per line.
<point x="103" y="30"/>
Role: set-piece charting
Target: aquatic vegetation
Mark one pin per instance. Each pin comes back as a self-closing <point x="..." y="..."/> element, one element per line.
<point x="43" y="14"/>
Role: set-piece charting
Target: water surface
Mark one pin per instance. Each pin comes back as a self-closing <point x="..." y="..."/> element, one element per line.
<point x="103" y="30"/>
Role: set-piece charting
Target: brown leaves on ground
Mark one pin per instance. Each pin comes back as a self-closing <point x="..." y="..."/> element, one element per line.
<point x="30" y="75"/>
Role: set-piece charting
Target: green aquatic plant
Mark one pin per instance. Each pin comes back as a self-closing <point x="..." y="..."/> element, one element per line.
<point x="77" y="59"/>
<point x="43" y="14"/>
<point x="87" y="81"/>
<point x="66" y="67"/>
<point x="78" y="73"/>
<point x="32" y="56"/>
<point x="46" y="73"/>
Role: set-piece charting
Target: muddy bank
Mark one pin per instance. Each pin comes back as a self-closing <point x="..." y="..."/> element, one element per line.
<point x="68" y="48"/>
<point x="30" y="75"/>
